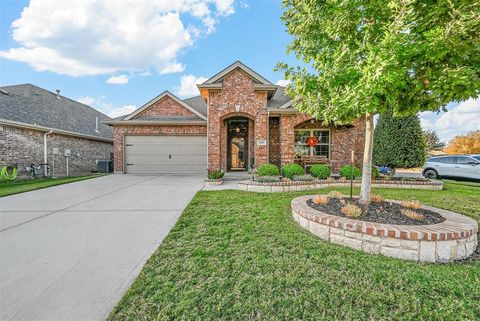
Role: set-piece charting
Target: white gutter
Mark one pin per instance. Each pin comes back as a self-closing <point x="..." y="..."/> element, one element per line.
<point x="45" y="158"/>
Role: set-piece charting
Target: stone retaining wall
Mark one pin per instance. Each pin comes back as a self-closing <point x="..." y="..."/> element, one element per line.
<point x="292" y="186"/>
<point x="453" y="239"/>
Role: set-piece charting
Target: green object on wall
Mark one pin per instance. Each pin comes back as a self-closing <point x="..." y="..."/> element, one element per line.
<point x="6" y="176"/>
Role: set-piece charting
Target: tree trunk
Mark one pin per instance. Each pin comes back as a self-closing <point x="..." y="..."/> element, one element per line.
<point x="366" y="187"/>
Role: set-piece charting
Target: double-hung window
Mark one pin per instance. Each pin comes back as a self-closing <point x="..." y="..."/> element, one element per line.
<point x="321" y="149"/>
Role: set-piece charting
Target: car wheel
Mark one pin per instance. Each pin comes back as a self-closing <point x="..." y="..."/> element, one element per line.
<point x="430" y="173"/>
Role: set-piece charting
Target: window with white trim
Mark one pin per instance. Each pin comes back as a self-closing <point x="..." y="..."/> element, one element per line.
<point x="322" y="148"/>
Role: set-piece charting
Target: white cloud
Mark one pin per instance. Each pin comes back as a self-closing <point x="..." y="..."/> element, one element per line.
<point x="107" y="108"/>
<point x="244" y="5"/>
<point x="87" y="100"/>
<point x="91" y="37"/>
<point x="460" y="119"/>
<point x="188" y="85"/>
<point x="118" y="80"/>
<point x="282" y="82"/>
<point x="121" y="111"/>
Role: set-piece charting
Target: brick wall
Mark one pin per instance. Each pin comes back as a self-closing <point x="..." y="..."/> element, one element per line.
<point x="274" y="141"/>
<point x="238" y="90"/>
<point x="25" y="146"/>
<point x="166" y="107"/>
<point x="342" y="139"/>
<point x="120" y="131"/>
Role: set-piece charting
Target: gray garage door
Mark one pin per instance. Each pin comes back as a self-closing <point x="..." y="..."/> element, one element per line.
<point x="166" y="154"/>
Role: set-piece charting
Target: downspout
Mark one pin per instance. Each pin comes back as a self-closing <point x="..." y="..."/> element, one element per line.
<point x="45" y="158"/>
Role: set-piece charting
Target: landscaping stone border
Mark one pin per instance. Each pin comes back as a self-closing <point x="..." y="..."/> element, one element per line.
<point x="453" y="239"/>
<point x="213" y="182"/>
<point x="292" y="186"/>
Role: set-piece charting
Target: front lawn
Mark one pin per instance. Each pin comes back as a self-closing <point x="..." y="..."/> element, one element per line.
<point x="240" y="256"/>
<point x="26" y="185"/>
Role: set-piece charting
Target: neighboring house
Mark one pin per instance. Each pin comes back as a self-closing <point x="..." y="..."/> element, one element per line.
<point x="239" y="121"/>
<point x="37" y="125"/>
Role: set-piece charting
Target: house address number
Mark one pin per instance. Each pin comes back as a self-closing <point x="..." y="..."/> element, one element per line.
<point x="261" y="142"/>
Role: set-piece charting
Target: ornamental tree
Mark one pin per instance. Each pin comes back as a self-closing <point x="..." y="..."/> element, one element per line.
<point x="465" y="144"/>
<point x="432" y="140"/>
<point x="399" y="142"/>
<point x="365" y="57"/>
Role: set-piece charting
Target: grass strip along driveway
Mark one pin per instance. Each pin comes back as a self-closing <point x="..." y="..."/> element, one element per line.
<point x="26" y="185"/>
<point x="240" y="256"/>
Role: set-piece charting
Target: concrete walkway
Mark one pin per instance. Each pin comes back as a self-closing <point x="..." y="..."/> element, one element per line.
<point x="70" y="252"/>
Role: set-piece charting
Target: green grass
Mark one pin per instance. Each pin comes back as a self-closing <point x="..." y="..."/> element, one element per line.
<point x="240" y="256"/>
<point x="26" y="185"/>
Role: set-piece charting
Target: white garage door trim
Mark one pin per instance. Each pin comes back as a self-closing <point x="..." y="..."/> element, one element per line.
<point x="165" y="154"/>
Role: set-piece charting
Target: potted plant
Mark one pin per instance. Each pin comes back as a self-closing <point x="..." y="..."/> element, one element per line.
<point x="215" y="177"/>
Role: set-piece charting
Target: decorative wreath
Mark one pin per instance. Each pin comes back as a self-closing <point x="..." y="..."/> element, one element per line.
<point x="312" y="141"/>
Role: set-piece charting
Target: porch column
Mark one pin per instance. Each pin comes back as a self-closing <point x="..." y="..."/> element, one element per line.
<point x="287" y="139"/>
<point x="214" y="145"/>
<point x="261" y="138"/>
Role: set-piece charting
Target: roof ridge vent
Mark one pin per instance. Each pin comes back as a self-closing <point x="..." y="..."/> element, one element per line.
<point x="58" y="93"/>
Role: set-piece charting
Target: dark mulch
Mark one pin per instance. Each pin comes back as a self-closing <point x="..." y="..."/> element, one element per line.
<point x="386" y="212"/>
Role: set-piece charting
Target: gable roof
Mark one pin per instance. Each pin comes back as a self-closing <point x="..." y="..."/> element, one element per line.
<point x="36" y="107"/>
<point x="160" y="97"/>
<point x="237" y="64"/>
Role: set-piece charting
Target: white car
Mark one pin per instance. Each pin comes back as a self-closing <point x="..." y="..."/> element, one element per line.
<point x="465" y="166"/>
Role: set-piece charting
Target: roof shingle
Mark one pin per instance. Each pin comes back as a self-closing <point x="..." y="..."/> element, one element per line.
<point x="36" y="106"/>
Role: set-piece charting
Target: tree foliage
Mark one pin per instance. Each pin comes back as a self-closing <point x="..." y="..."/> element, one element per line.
<point x="370" y="56"/>
<point x="465" y="144"/>
<point x="399" y="142"/>
<point x="366" y="57"/>
<point x="432" y="140"/>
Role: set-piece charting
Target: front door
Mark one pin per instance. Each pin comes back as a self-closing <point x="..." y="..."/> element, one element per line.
<point x="237" y="144"/>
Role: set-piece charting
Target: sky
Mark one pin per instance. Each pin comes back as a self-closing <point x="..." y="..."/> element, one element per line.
<point x="116" y="55"/>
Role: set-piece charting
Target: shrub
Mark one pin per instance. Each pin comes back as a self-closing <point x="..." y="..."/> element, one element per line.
<point x="347" y="172"/>
<point x="268" y="170"/>
<point x="335" y="194"/>
<point x="268" y="179"/>
<point x="320" y="171"/>
<point x="320" y="199"/>
<point x="351" y="210"/>
<point x="412" y="214"/>
<point x="375" y="173"/>
<point x="304" y="178"/>
<point x="217" y="174"/>
<point x="292" y="169"/>
<point x="412" y="204"/>
<point x="375" y="198"/>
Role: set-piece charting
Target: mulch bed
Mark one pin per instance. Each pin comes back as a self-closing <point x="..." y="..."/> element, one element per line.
<point x="385" y="212"/>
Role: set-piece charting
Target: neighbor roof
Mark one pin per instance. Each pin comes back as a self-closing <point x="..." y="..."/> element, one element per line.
<point x="27" y="104"/>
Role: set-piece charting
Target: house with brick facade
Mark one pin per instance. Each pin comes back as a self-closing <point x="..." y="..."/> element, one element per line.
<point x="38" y="126"/>
<point x="238" y="121"/>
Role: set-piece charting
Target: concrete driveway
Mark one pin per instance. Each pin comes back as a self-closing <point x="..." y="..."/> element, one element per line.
<point x="70" y="252"/>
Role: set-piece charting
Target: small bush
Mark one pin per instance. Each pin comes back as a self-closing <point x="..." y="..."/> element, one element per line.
<point x="292" y="169"/>
<point x="268" y="170"/>
<point x="304" y="178"/>
<point x="320" y="199"/>
<point x="268" y="179"/>
<point x="351" y="210"/>
<point x="412" y="204"/>
<point x="335" y="194"/>
<point x="376" y="198"/>
<point x="347" y="172"/>
<point x="217" y="174"/>
<point x="412" y="214"/>
<point x="375" y="173"/>
<point x="320" y="171"/>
